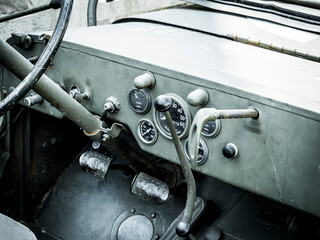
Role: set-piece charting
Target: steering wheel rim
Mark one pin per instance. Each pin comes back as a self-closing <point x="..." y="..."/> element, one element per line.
<point x="43" y="62"/>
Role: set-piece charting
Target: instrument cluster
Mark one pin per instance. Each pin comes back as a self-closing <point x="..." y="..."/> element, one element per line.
<point x="150" y="128"/>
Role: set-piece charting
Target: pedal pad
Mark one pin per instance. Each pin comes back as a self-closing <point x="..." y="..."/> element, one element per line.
<point x="95" y="164"/>
<point x="149" y="188"/>
<point x="170" y="233"/>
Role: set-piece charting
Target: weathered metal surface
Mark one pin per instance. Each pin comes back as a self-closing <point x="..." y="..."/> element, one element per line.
<point x="82" y="207"/>
<point x="288" y="112"/>
<point x="274" y="158"/>
<point x="281" y="49"/>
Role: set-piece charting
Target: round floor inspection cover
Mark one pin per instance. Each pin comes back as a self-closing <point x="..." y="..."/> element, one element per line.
<point x="137" y="223"/>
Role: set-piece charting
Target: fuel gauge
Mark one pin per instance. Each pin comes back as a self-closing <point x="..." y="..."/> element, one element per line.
<point x="147" y="132"/>
<point x="139" y="100"/>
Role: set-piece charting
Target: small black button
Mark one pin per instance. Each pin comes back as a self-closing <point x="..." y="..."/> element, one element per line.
<point x="230" y="150"/>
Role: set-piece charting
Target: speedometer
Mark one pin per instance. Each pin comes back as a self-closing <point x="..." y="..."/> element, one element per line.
<point x="180" y="116"/>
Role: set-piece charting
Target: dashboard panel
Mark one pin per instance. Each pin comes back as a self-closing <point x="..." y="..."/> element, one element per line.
<point x="278" y="154"/>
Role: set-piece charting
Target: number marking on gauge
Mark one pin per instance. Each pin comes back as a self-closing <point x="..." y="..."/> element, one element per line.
<point x="180" y="116"/>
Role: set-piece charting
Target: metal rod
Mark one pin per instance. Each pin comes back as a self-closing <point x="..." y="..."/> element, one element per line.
<point x="39" y="68"/>
<point x="183" y="227"/>
<point x="163" y="104"/>
<point x="53" y="4"/>
<point x="24" y="13"/>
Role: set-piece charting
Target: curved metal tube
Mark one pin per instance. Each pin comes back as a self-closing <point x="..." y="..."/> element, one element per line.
<point x="211" y="114"/>
<point x="92" y="13"/>
<point x="39" y="68"/>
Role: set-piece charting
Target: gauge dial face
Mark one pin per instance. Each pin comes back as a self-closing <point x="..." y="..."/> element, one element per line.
<point x="211" y="128"/>
<point x="147" y="132"/>
<point x="203" y="152"/>
<point x="139" y="100"/>
<point x="180" y="116"/>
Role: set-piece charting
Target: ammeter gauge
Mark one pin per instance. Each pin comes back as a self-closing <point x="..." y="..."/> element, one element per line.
<point x="211" y="128"/>
<point x="180" y="116"/>
<point x="147" y="132"/>
<point x="203" y="152"/>
<point x="139" y="100"/>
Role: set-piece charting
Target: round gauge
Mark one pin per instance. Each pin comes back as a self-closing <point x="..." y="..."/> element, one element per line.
<point x="180" y="116"/>
<point x="211" y="128"/>
<point x="203" y="152"/>
<point x="147" y="132"/>
<point x="139" y="100"/>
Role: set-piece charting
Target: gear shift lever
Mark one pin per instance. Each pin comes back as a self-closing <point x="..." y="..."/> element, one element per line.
<point x="163" y="104"/>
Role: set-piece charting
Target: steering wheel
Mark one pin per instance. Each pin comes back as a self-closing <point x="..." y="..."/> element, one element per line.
<point x="41" y="65"/>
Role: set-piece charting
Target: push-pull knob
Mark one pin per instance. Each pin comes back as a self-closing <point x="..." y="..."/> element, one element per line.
<point x="163" y="103"/>
<point x="145" y="80"/>
<point x="230" y="150"/>
<point x="198" y="97"/>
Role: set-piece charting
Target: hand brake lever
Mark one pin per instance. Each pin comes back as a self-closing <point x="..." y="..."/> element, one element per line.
<point x="212" y="114"/>
<point x="163" y="104"/>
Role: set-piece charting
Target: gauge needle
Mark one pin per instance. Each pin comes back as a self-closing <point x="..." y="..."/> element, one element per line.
<point x="146" y="132"/>
<point x="136" y="95"/>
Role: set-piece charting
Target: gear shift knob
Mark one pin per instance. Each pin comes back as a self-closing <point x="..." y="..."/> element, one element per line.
<point x="163" y="103"/>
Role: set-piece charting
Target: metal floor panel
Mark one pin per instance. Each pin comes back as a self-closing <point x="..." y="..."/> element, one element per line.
<point x="83" y="207"/>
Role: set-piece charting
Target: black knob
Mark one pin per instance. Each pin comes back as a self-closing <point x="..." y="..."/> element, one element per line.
<point x="163" y="103"/>
<point x="183" y="229"/>
<point x="230" y="150"/>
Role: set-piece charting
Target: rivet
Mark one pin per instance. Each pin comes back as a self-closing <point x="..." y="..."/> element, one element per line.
<point x="153" y="215"/>
<point x="132" y="210"/>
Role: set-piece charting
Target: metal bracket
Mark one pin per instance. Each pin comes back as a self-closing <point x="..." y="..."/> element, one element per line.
<point x="103" y="134"/>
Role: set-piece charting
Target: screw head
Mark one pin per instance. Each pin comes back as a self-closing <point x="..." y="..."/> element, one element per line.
<point x="132" y="210"/>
